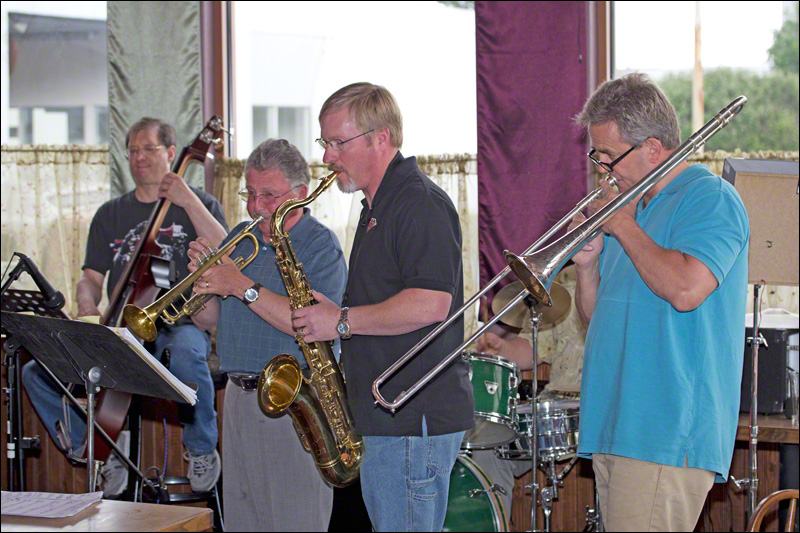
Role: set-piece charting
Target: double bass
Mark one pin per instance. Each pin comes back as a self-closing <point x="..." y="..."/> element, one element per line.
<point x="140" y="282"/>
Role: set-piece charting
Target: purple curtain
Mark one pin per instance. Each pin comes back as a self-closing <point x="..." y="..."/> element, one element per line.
<point x="531" y="75"/>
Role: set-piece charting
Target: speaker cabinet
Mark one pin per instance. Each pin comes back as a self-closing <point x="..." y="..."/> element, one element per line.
<point x="769" y="190"/>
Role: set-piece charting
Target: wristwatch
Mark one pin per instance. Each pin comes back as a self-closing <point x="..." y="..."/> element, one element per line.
<point x="251" y="294"/>
<point x="344" y="325"/>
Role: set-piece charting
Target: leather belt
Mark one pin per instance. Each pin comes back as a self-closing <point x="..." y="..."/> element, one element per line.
<point x="247" y="382"/>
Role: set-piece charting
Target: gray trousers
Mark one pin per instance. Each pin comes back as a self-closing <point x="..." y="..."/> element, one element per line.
<point x="271" y="482"/>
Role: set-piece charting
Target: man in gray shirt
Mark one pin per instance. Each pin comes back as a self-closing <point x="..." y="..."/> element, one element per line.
<point x="271" y="482"/>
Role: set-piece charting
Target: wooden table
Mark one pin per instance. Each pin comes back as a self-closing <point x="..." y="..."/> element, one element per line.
<point x="111" y="515"/>
<point x="771" y="428"/>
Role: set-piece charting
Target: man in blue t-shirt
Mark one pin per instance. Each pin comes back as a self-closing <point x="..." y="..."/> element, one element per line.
<point x="663" y="294"/>
<point x="271" y="482"/>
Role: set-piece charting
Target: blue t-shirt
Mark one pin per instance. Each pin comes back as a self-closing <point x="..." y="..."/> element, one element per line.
<point x="245" y="341"/>
<point x="661" y="385"/>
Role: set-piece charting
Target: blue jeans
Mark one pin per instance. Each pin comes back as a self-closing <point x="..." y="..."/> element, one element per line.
<point x="405" y="480"/>
<point x="189" y="348"/>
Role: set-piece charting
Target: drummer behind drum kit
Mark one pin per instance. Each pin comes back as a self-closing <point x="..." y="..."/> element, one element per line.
<point x="511" y="429"/>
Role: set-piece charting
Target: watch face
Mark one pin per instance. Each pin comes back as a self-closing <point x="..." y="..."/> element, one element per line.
<point x="250" y="294"/>
<point x="341" y="328"/>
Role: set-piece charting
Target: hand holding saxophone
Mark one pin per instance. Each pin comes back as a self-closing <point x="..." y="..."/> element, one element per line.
<point x="224" y="279"/>
<point x="317" y="322"/>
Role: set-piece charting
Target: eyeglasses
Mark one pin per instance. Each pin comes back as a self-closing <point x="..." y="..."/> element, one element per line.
<point x="609" y="167"/>
<point x="339" y="145"/>
<point x="147" y="150"/>
<point x="247" y="195"/>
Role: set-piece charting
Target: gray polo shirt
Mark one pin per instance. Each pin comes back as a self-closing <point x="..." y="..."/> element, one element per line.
<point x="246" y="342"/>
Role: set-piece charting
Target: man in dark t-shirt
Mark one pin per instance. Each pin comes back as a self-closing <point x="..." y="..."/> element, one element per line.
<point x="114" y="232"/>
<point x="405" y="276"/>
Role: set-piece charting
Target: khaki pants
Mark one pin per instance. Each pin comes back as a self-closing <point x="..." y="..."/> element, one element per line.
<point x="642" y="496"/>
<point x="271" y="482"/>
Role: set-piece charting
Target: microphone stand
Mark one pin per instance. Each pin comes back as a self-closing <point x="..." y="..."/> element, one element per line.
<point x="751" y="482"/>
<point x="16" y="443"/>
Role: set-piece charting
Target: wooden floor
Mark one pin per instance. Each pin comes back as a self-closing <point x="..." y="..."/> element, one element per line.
<point x="50" y="471"/>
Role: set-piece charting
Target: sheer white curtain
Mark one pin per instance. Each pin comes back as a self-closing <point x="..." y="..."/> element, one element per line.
<point x="49" y="196"/>
<point x="456" y="174"/>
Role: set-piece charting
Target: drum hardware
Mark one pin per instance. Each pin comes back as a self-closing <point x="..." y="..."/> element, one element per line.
<point x="550" y="492"/>
<point x="594" y="521"/>
<point x="535" y="318"/>
<point x="495" y="488"/>
<point x="518" y="315"/>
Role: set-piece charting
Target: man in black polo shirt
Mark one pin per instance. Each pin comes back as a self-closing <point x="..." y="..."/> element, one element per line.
<point x="405" y="276"/>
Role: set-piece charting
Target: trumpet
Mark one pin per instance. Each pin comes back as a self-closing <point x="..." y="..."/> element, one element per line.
<point x="142" y="322"/>
<point x="537" y="269"/>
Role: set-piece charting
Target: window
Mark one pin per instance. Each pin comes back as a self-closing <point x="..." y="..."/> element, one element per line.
<point x="57" y="86"/>
<point x="291" y="123"/>
<point x="290" y="56"/>
<point x="735" y="58"/>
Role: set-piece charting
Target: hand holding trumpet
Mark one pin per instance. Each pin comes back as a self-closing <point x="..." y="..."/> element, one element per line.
<point x="224" y="279"/>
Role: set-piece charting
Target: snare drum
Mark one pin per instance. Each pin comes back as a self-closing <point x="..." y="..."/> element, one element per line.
<point x="471" y="503"/>
<point x="494" y="384"/>
<point x="558" y="432"/>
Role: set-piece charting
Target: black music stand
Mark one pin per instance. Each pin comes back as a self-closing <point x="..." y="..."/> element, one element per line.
<point x="92" y="355"/>
<point x="32" y="302"/>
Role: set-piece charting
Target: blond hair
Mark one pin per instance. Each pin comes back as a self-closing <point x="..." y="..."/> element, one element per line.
<point x="372" y="107"/>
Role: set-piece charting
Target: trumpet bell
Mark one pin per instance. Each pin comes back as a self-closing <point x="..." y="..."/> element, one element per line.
<point x="140" y="322"/>
<point x="528" y="273"/>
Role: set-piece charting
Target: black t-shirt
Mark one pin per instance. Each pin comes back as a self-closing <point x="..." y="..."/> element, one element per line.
<point x="118" y="225"/>
<point x="410" y="238"/>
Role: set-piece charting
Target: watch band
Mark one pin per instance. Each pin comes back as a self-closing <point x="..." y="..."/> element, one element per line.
<point x="256" y="287"/>
<point x="343" y="321"/>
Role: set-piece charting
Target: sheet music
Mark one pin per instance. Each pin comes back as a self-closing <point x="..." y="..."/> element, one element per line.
<point x="47" y="504"/>
<point x="184" y="390"/>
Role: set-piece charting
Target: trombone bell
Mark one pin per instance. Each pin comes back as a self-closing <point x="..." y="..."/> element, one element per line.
<point x="527" y="273"/>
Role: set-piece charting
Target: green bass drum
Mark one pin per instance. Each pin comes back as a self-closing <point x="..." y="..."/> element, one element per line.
<point x="471" y="504"/>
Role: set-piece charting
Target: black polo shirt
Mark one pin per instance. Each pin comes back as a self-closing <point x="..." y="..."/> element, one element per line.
<point x="409" y="238"/>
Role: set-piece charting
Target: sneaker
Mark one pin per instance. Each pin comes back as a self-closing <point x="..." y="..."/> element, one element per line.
<point x="113" y="476"/>
<point x="204" y="470"/>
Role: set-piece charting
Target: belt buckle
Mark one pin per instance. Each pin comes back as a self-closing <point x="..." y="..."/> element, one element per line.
<point x="243" y="381"/>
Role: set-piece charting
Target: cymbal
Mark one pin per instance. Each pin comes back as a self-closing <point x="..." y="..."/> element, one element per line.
<point x="519" y="316"/>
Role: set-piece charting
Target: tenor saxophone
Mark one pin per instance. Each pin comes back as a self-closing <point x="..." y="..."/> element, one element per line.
<point x="317" y="404"/>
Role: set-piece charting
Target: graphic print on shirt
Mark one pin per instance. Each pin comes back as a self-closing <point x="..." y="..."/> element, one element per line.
<point x="172" y="240"/>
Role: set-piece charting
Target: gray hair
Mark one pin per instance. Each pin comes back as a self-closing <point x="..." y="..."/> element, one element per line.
<point x="639" y="108"/>
<point x="283" y="155"/>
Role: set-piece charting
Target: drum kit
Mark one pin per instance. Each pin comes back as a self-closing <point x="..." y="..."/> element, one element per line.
<point x="515" y="431"/>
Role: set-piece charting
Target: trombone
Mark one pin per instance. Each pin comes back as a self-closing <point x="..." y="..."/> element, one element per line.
<point x="142" y="322"/>
<point x="536" y="268"/>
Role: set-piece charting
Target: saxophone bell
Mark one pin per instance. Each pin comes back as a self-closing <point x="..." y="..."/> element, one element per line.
<point x="317" y="403"/>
